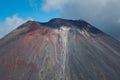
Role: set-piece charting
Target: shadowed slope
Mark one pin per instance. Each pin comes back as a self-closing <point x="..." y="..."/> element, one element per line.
<point x="59" y="50"/>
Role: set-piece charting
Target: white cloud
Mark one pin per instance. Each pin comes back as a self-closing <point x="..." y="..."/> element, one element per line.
<point x="104" y="14"/>
<point x="10" y="24"/>
<point x="53" y="4"/>
<point x="14" y="21"/>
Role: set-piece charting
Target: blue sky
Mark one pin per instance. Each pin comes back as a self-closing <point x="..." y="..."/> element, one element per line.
<point x="25" y="9"/>
<point x="15" y="12"/>
<point x="103" y="14"/>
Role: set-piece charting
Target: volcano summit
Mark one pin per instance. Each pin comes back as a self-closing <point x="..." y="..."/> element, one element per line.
<point x="59" y="50"/>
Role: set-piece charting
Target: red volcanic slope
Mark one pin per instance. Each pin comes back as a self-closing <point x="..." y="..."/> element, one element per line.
<point x="59" y="50"/>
